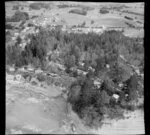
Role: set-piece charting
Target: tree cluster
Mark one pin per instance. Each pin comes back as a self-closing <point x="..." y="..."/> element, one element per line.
<point x="103" y="11"/>
<point x="18" y="16"/>
<point x="38" y="6"/>
<point x="78" y="11"/>
<point x="95" y="51"/>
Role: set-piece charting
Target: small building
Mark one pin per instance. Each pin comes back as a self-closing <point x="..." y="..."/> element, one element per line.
<point x="81" y="63"/>
<point x="92" y="69"/>
<point x="13" y="38"/>
<point x="116" y="96"/>
<point x="16" y="34"/>
<point x="38" y="71"/>
<point x="97" y="83"/>
<point x="137" y="71"/>
<point x="22" y="69"/>
<point x="120" y="84"/>
<point x="107" y="66"/>
<point x="12" y="69"/>
<point x="30" y="68"/>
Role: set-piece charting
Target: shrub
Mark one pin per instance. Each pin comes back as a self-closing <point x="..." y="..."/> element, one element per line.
<point x="130" y="25"/>
<point x="86" y="8"/>
<point x="116" y="113"/>
<point x="103" y="11"/>
<point x="117" y="74"/>
<point x="41" y="77"/>
<point x="63" y="6"/>
<point x="35" y="6"/>
<point x="132" y="87"/>
<point x="15" y="7"/>
<point x="13" y="54"/>
<point x="8" y="37"/>
<point x="8" y="26"/>
<point x="19" y="16"/>
<point x="38" y="6"/>
<point x="129" y="18"/>
<point x="91" y="117"/>
<point x="34" y="16"/>
<point x="74" y="92"/>
<point x="78" y="11"/>
<point x="103" y="99"/>
<point x="83" y="24"/>
<point x="34" y="82"/>
<point x="69" y="61"/>
<point x="33" y="53"/>
<point x="92" y="22"/>
<point x="25" y="75"/>
<point x="129" y="107"/>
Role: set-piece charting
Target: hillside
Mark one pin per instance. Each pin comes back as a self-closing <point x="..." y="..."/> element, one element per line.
<point x="74" y="67"/>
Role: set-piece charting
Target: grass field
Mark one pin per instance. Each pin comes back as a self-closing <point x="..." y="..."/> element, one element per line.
<point x="114" y="18"/>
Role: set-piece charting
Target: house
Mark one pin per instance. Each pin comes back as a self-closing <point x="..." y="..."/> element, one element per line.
<point x="38" y="71"/>
<point x="81" y="63"/>
<point x="107" y="66"/>
<point x="92" y="69"/>
<point x="116" y="96"/>
<point x="97" y="83"/>
<point x="137" y="71"/>
<point x="16" y="34"/>
<point x="30" y="68"/>
<point x="13" y="38"/>
<point x="12" y="69"/>
<point x="22" y="69"/>
<point x="120" y="84"/>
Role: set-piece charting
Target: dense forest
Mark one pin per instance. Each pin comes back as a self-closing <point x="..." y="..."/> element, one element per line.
<point x="95" y="51"/>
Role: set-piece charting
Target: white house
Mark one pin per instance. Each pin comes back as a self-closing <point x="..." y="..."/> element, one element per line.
<point x="22" y="69"/>
<point x="97" y="83"/>
<point x="116" y="96"/>
<point x="38" y="71"/>
<point x="137" y="71"/>
<point x="107" y="66"/>
<point x="11" y="69"/>
<point x="30" y="68"/>
<point x="120" y="84"/>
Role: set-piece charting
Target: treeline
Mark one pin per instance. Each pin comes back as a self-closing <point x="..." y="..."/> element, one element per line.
<point x="33" y="53"/>
<point x="134" y="13"/>
<point x="92" y="103"/>
<point x="38" y="6"/>
<point x="92" y="49"/>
